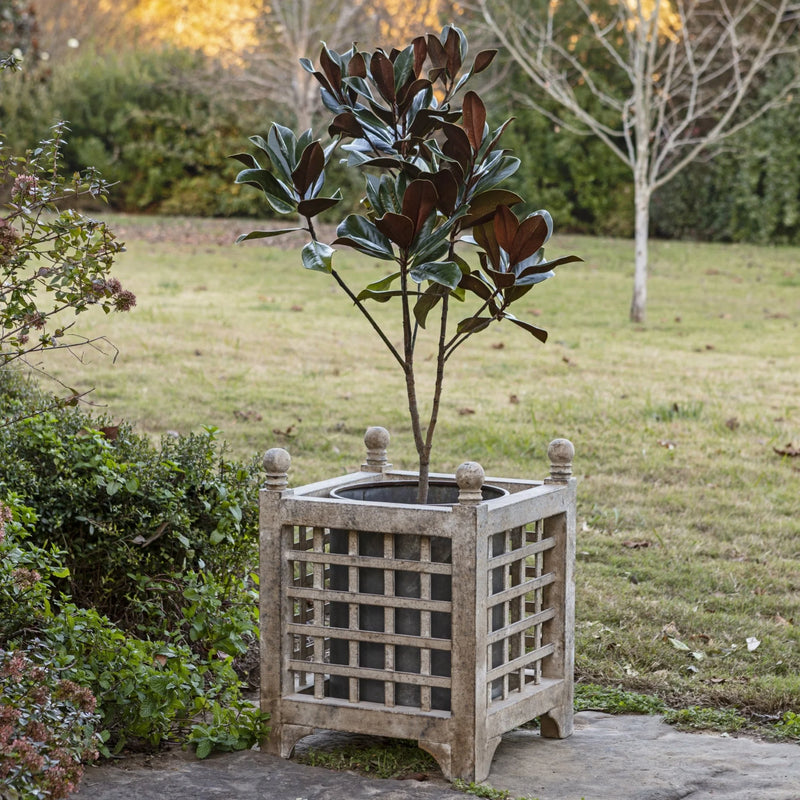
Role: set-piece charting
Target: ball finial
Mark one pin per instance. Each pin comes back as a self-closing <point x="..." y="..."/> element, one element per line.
<point x="560" y="452"/>
<point x="377" y="440"/>
<point x="469" y="477"/>
<point x="276" y="464"/>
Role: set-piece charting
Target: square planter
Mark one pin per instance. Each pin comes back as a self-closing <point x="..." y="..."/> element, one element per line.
<point x="450" y="624"/>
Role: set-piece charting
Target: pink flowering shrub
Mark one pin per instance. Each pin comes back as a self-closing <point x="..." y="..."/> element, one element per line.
<point x="55" y="262"/>
<point x="47" y="729"/>
<point x="25" y="572"/>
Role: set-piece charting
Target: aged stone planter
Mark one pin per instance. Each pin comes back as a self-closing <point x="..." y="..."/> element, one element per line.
<point x="450" y="623"/>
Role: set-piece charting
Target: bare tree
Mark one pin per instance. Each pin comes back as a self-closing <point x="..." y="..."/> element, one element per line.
<point x="64" y="25"/>
<point x="658" y="81"/>
<point x="299" y="27"/>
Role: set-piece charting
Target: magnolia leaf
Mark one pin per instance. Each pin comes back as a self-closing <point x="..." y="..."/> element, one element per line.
<point x="332" y="70"/>
<point x="409" y="93"/>
<point x="317" y="256"/>
<point x="420" y="53"/>
<point x="382" y="71"/>
<point x="446" y="189"/>
<point x="430" y="246"/>
<point x="436" y="53"/>
<point x="515" y="292"/>
<point x="483" y="206"/>
<point x="346" y="123"/>
<point x="279" y="205"/>
<point x="506" y="226"/>
<point x="310" y="208"/>
<point x="454" y="47"/>
<point x="419" y="202"/>
<point x="457" y="145"/>
<point x="380" y="297"/>
<point x="357" y="66"/>
<point x="473" y="324"/>
<point x="383" y="284"/>
<point x="484" y="236"/>
<point x="280" y="146"/>
<point x="446" y="273"/>
<point x="538" y="333"/>
<point x="473" y="283"/>
<point x="248" y="160"/>
<point x="482" y="60"/>
<point x="427" y="302"/>
<point x="276" y="194"/>
<point x="359" y="233"/>
<point x="404" y="68"/>
<point x="500" y="169"/>
<point x="309" y="168"/>
<point x="266" y="234"/>
<point x="474" y="112"/>
<point x="529" y="238"/>
<point x="502" y="280"/>
<point x="397" y="227"/>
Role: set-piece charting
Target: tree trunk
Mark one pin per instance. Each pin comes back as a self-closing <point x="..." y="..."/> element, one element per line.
<point x="641" y="236"/>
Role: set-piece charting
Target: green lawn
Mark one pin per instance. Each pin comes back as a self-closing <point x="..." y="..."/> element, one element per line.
<point x="689" y="520"/>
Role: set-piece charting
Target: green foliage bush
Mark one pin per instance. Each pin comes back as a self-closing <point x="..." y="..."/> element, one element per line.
<point x="81" y="499"/>
<point x="150" y="691"/>
<point x="120" y="508"/>
<point x="147" y="690"/>
<point x="154" y="122"/>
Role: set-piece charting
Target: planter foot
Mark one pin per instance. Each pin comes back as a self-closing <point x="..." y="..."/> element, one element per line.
<point x="557" y="723"/>
<point x="443" y="754"/>
<point x="460" y="762"/>
<point x="283" y="738"/>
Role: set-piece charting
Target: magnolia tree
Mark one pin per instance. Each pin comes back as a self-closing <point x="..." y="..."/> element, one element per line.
<point x="55" y="262"/>
<point x="457" y="244"/>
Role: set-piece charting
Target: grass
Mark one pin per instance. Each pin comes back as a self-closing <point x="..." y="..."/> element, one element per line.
<point x="689" y="520"/>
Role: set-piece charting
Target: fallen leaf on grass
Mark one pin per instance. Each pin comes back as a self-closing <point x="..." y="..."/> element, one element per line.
<point x="513" y="399"/>
<point x="790" y="450"/>
<point x="297" y="308"/>
<point x="287" y="433"/>
<point x="498" y="346"/>
<point x="732" y="423"/>
<point x="465" y="411"/>
<point x="636" y="544"/>
<point x="752" y="643"/>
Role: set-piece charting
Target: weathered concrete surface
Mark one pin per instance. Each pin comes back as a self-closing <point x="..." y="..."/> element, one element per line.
<point x="608" y="758"/>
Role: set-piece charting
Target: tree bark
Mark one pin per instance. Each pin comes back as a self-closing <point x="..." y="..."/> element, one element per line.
<point x="641" y="237"/>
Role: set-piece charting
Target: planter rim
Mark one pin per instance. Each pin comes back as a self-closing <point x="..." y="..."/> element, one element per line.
<point x="490" y="491"/>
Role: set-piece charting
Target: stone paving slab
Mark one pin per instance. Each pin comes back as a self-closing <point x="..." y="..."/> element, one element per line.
<point x="608" y="758"/>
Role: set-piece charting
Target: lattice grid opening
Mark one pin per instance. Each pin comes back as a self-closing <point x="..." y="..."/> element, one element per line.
<point x="517" y="609"/>
<point x="370" y="617"/>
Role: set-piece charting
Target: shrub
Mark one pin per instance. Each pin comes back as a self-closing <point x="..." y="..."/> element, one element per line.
<point x="147" y="691"/>
<point x="153" y="121"/>
<point x="48" y="729"/>
<point x="150" y="691"/>
<point x="120" y="509"/>
<point x="55" y="263"/>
